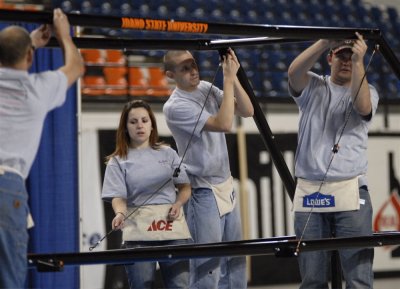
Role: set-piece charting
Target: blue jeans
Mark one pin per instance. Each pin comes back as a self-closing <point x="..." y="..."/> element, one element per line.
<point x="356" y="263"/>
<point x="141" y="275"/>
<point x="13" y="231"/>
<point x="206" y="226"/>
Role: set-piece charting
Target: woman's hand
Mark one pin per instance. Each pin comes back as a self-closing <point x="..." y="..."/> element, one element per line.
<point x="118" y="221"/>
<point x="174" y="211"/>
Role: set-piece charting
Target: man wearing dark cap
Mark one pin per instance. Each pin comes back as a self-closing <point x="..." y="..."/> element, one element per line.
<point x="332" y="198"/>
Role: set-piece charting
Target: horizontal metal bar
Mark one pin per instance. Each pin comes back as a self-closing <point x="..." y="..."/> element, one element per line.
<point x="193" y="27"/>
<point x="236" y="248"/>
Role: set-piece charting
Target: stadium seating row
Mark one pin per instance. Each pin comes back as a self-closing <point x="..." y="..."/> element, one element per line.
<point x="266" y="67"/>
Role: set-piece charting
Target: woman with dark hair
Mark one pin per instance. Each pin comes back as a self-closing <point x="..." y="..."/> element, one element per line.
<point x="147" y="188"/>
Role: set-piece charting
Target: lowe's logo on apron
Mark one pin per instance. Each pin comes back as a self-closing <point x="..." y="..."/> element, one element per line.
<point x="318" y="200"/>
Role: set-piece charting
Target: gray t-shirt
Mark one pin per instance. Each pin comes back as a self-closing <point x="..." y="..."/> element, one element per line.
<point x="25" y="100"/>
<point x="206" y="158"/>
<point x="323" y="109"/>
<point x="140" y="177"/>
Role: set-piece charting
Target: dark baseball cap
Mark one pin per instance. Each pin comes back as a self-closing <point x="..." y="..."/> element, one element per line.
<point x="345" y="44"/>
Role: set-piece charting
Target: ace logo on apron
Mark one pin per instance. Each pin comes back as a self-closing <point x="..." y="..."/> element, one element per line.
<point x="151" y="223"/>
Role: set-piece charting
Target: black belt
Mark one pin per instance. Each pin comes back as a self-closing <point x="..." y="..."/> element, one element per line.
<point x="364" y="187"/>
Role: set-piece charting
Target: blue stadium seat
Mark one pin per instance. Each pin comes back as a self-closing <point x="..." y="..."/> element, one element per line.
<point x="181" y="12"/>
<point x="106" y="8"/>
<point x="374" y="79"/>
<point x="199" y="14"/>
<point x="86" y="7"/>
<point x="376" y="14"/>
<point x="251" y="16"/>
<point x="393" y="14"/>
<point x="217" y="15"/>
<point x="68" y="6"/>
<point x="235" y="16"/>
<point x="163" y="12"/>
<point x="392" y="85"/>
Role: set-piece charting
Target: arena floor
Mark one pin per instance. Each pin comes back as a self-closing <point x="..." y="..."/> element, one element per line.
<point x="389" y="283"/>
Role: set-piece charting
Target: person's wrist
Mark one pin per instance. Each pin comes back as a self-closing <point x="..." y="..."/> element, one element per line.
<point x="121" y="213"/>
<point x="326" y="44"/>
<point x="229" y="79"/>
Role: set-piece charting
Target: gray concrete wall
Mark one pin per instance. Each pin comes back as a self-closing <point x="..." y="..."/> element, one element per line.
<point x="392" y="3"/>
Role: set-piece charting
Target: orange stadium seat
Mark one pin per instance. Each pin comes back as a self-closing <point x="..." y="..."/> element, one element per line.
<point x="138" y="84"/>
<point x="116" y="83"/>
<point x="115" y="57"/>
<point x="92" y="56"/>
<point x="93" y="85"/>
<point x="158" y="83"/>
